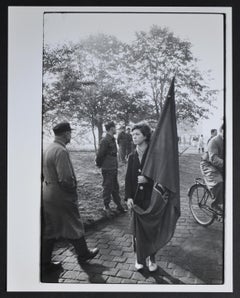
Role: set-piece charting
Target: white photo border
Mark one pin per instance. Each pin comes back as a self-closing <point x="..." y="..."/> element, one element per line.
<point x="25" y="46"/>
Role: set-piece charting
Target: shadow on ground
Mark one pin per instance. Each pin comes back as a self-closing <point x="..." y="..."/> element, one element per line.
<point x="202" y="258"/>
<point x="160" y="276"/>
<point x="51" y="277"/>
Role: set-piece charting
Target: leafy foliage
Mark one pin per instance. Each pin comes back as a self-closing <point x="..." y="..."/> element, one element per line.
<point x="101" y="78"/>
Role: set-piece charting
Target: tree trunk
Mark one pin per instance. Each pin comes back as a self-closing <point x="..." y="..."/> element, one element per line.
<point x="94" y="136"/>
<point x="100" y="130"/>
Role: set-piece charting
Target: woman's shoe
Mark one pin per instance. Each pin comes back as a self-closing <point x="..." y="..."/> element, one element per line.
<point x="138" y="266"/>
<point x="152" y="266"/>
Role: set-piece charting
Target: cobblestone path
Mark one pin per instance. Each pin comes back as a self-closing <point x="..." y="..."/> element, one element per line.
<point x="193" y="256"/>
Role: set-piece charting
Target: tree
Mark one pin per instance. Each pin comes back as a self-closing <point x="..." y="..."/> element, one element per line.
<point x="86" y="81"/>
<point x="156" y="56"/>
<point x="101" y="78"/>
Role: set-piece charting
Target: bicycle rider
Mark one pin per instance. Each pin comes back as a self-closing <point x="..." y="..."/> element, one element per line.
<point x="212" y="168"/>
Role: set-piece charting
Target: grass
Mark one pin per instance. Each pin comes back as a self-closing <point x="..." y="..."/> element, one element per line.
<point x="90" y="181"/>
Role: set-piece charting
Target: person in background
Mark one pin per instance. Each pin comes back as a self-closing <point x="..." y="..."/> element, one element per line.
<point x="130" y="145"/>
<point x="213" y="134"/>
<point x="122" y="140"/>
<point x="106" y="159"/>
<point x="141" y="137"/>
<point x="61" y="218"/>
<point x="212" y="168"/>
<point x="201" y="144"/>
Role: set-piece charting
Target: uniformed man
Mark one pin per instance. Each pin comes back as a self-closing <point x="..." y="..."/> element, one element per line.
<point x="60" y="201"/>
<point x="106" y="159"/>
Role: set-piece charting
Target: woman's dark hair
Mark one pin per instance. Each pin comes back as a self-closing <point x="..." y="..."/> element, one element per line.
<point x="144" y="128"/>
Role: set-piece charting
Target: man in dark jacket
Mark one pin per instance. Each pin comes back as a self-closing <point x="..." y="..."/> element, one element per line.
<point x="106" y="159"/>
<point x="61" y="218"/>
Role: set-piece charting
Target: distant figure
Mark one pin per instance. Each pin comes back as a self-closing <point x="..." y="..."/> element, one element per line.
<point x="212" y="167"/>
<point x="130" y="145"/>
<point x="60" y="202"/>
<point x="106" y="159"/>
<point x="201" y="144"/>
<point x="213" y="134"/>
<point x="122" y="141"/>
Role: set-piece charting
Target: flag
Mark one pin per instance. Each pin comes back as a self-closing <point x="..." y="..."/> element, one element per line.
<point x="155" y="226"/>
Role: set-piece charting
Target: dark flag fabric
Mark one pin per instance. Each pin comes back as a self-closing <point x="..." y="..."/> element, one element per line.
<point x="155" y="226"/>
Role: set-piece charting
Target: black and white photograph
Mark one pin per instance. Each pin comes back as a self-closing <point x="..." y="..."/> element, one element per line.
<point x="128" y="137"/>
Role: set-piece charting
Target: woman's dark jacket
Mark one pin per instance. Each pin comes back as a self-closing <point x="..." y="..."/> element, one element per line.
<point x="134" y="169"/>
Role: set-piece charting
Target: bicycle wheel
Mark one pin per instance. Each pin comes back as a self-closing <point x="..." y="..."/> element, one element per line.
<point x="199" y="202"/>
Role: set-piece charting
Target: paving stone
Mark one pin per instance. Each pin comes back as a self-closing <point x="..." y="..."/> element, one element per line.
<point x="217" y="282"/>
<point x="71" y="275"/>
<point x="120" y="259"/>
<point x="118" y="233"/>
<point x="72" y="259"/>
<point x="95" y="262"/>
<point x="69" y="266"/>
<point x="127" y="243"/>
<point x="103" y="246"/>
<point x="162" y="264"/>
<point x="59" y="251"/>
<point x="138" y="276"/>
<point x="105" y="251"/>
<point x="68" y="281"/>
<point x="93" y="269"/>
<point x="99" y="278"/>
<point x="110" y="271"/>
<point x="180" y="272"/>
<point x="67" y="252"/>
<point x="91" y="241"/>
<point x="116" y="253"/>
<point x="103" y="240"/>
<point x="115" y="243"/>
<point x="188" y="280"/>
<point x="109" y="264"/>
<point x="107" y="229"/>
<point x="132" y="267"/>
<point x="83" y="276"/>
<point x="106" y="257"/>
<point x="128" y="281"/>
<point x="130" y="260"/>
<point x="129" y="254"/>
<point x="124" y="274"/>
<point x="123" y="266"/>
<point x="113" y="280"/>
<point x="127" y="249"/>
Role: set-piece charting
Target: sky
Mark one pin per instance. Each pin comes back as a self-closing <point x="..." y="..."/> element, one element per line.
<point x="204" y="31"/>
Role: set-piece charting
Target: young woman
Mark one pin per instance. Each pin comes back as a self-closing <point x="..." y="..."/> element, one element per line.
<point x="134" y="181"/>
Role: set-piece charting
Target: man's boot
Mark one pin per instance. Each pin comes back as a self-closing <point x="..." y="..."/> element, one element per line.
<point x="83" y="252"/>
<point x="46" y="255"/>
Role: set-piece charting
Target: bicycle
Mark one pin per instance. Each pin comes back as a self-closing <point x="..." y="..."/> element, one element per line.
<point x="200" y="200"/>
